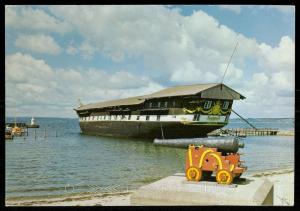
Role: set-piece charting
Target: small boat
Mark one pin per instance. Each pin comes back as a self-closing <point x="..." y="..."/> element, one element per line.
<point x="8" y="133"/>
<point x="17" y="131"/>
<point x="32" y="124"/>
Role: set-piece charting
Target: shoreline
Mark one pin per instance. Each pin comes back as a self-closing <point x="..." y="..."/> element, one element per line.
<point x="283" y="193"/>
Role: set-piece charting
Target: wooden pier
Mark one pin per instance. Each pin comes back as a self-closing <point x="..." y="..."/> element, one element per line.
<point x="245" y="132"/>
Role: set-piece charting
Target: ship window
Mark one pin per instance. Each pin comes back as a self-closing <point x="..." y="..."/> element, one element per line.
<point x="147" y="118"/>
<point x="195" y="117"/>
<point x="166" y="104"/>
<point x="207" y="104"/>
<point x="150" y="105"/>
<point x="198" y="118"/>
<point x="109" y="117"/>
<point x="174" y="103"/>
<point x="138" y="117"/>
<point x="129" y="117"/>
<point x="116" y="117"/>
<point x="104" y="117"/>
<point x="158" y="104"/>
<point x="158" y="117"/>
<point x="225" y="105"/>
<point x="123" y="116"/>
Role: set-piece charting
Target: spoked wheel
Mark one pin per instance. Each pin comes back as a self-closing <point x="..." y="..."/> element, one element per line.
<point x="193" y="174"/>
<point x="224" y="176"/>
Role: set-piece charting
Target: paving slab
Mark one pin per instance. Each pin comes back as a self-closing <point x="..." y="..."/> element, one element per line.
<point x="176" y="190"/>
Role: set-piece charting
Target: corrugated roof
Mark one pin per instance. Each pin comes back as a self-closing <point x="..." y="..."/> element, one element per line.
<point x="181" y="90"/>
<point x="125" y="101"/>
<point x="168" y="92"/>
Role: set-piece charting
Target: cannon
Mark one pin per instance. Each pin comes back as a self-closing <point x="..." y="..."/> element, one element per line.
<point x="202" y="161"/>
<point x="224" y="144"/>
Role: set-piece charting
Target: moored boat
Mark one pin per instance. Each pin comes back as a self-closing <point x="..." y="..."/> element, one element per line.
<point x="8" y="133"/>
<point x="176" y="112"/>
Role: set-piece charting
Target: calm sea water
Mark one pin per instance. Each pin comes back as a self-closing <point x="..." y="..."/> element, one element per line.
<point x="67" y="162"/>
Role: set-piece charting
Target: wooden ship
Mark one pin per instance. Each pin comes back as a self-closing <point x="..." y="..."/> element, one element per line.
<point x="177" y="112"/>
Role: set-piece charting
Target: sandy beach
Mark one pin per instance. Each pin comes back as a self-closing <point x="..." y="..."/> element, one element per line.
<point x="283" y="194"/>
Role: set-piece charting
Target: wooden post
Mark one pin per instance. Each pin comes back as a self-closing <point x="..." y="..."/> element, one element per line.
<point x="34" y="134"/>
<point x="45" y="134"/>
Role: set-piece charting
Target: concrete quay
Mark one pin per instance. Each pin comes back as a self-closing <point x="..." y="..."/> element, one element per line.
<point x="176" y="190"/>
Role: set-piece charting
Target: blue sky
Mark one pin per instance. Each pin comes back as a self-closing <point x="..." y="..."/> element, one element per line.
<point x="56" y="55"/>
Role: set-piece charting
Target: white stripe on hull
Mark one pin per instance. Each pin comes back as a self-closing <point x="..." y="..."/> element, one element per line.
<point x="155" y="118"/>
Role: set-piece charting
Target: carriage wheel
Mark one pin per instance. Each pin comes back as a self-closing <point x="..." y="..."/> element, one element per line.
<point x="193" y="174"/>
<point x="224" y="177"/>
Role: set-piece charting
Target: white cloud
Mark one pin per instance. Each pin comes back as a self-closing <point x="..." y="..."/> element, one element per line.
<point x="87" y="50"/>
<point x="282" y="81"/>
<point x="38" y="43"/>
<point x="233" y="8"/>
<point x="281" y="58"/>
<point x="284" y="9"/>
<point x="71" y="50"/>
<point x="24" y="17"/>
<point x="194" y="41"/>
<point x="176" y="48"/>
<point x="33" y="83"/>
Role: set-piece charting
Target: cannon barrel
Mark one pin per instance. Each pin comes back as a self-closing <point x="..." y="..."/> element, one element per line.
<point x="224" y="144"/>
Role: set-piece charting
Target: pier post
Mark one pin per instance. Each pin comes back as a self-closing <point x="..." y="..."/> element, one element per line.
<point x="34" y="134"/>
<point x="45" y="135"/>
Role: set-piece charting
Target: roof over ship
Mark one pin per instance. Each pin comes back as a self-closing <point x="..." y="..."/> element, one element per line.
<point x="110" y="103"/>
<point x="211" y="90"/>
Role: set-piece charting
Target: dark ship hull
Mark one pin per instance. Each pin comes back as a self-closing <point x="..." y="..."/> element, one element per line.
<point x="147" y="130"/>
